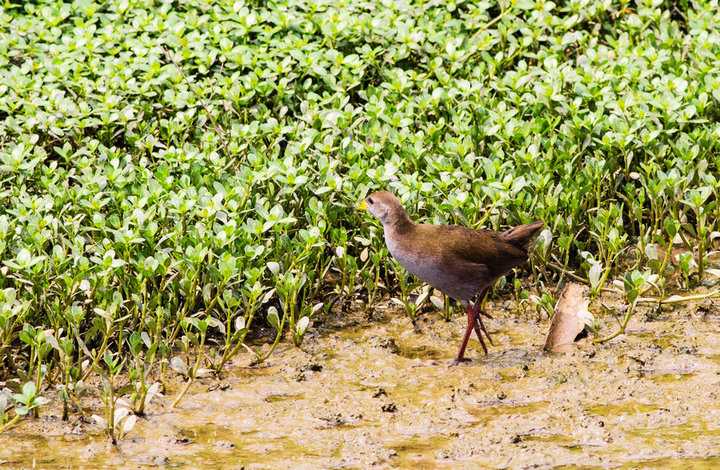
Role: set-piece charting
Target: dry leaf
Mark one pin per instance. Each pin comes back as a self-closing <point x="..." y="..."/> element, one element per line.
<point x="571" y="315"/>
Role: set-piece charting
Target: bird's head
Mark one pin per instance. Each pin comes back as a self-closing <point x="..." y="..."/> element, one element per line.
<point x="385" y="206"/>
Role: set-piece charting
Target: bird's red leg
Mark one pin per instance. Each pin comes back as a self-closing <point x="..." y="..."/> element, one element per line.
<point x="472" y="321"/>
<point x="481" y="328"/>
<point x="479" y="301"/>
<point x="477" y="332"/>
<point x="484" y="313"/>
<point x="479" y="325"/>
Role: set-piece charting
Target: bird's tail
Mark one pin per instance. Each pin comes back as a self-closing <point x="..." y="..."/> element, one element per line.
<point x="522" y="234"/>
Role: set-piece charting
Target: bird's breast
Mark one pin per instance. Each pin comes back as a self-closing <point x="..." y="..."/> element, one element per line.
<point x="426" y="266"/>
<point x="457" y="278"/>
<point x="407" y="257"/>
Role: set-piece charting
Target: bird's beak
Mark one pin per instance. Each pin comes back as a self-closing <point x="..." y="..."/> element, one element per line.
<point x="361" y="207"/>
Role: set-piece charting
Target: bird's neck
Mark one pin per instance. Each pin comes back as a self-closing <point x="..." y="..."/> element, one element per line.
<point x="399" y="224"/>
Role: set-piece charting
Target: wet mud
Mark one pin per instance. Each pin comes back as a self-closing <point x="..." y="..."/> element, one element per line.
<point x="382" y="394"/>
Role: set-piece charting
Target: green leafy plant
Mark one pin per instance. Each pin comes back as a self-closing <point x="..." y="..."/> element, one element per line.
<point x="193" y="340"/>
<point x="39" y="350"/>
<point x="118" y="418"/>
<point x="210" y="177"/>
<point x="25" y="401"/>
<point x="143" y="351"/>
<point x="408" y="284"/>
<point x="634" y="282"/>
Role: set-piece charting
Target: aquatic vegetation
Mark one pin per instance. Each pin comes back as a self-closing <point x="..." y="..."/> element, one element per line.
<point x="177" y="175"/>
<point x="119" y="418"/>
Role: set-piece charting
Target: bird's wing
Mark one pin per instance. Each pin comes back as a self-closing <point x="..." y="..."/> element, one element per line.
<point x="484" y="247"/>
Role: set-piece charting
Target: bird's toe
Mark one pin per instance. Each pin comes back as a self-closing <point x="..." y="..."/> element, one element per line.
<point x="458" y="361"/>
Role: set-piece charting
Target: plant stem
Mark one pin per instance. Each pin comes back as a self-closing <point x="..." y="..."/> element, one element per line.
<point x="676" y="299"/>
<point x="277" y="340"/>
<point x="193" y="374"/>
<point x="622" y="327"/>
<point x="10" y="424"/>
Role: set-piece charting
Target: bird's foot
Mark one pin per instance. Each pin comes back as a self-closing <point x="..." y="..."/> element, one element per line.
<point x="478" y="332"/>
<point x="459" y="360"/>
<point x="479" y="328"/>
<point x="483" y="329"/>
<point x="485" y="314"/>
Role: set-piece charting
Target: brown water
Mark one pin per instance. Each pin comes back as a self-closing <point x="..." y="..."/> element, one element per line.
<point x="379" y="393"/>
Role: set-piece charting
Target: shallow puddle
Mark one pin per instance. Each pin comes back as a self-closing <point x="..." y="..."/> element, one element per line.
<point x="671" y="463"/>
<point x="383" y="394"/>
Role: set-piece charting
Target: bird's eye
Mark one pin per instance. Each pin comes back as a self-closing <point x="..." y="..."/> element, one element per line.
<point x="370" y="201"/>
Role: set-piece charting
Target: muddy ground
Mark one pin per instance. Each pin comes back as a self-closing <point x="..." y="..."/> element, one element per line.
<point x="380" y="393"/>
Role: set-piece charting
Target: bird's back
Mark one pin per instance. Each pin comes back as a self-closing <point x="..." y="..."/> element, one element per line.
<point x="460" y="261"/>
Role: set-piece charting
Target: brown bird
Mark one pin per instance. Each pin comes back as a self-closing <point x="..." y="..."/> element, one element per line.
<point x="458" y="261"/>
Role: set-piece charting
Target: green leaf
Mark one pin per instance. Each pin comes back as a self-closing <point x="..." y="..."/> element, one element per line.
<point x="595" y="274"/>
<point x="302" y="326"/>
<point x="239" y="323"/>
<point x="273" y="318"/>
<point x="651" y="251"/>
<point x="28" y="390"/>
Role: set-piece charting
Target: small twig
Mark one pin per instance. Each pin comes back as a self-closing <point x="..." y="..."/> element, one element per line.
<point x="676" y="299"/>
<point x="482" y="221"/>
<point x="498" y="18"/>
<point x="578" y="278"/>
<point x="197" y="95"/>
<point x="486" y="26"/>
<point x="624" y="11"/>
<point x="611" y="312"/>
<point x="612" y="291"/>
<point x="569" y="274"/>
<point x="672" y="300"/>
